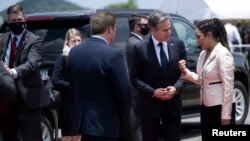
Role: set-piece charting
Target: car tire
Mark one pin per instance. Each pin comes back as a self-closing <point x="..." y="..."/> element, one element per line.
<point x="241" y="103"/>
<point x="47" y="132"/>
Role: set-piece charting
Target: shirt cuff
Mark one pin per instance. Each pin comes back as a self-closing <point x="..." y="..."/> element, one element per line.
<point x="14" y="73"/>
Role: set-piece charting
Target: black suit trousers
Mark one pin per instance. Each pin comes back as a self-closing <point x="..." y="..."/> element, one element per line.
<point x="97" y="138"/>
<point x="23" y="121"/>
<point x="211" y="118"/>
<point x="168" y="126"/>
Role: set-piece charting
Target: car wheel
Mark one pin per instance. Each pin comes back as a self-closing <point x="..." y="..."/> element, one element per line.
<point x="241" y="103"/>
<point x="47" y="132"/>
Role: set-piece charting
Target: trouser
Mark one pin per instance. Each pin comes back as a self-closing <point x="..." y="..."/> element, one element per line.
<point x="97" y="138"/>
<point x="211" y="118"/>
<point x="23" y="122"/>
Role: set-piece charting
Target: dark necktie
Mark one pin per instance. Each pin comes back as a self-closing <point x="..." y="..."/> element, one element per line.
<point x="12" y="52"/>
<point x="164" y="60"/>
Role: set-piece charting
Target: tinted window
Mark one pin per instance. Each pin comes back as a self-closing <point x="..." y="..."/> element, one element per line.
<point x="122" y="33"/>
<point x="53" y="40"/>
<point x="185" y="32"/>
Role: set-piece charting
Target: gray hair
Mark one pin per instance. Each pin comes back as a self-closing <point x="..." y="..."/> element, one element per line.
<point x="156" y="18"/>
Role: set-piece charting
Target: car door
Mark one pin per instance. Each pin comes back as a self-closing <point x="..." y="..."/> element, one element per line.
<point x="185" y="31"/>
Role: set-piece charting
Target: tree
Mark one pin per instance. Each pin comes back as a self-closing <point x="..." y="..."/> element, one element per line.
<point x="31" y="6"/>
<point x="131" y="4"/>
<point x="48" y="5"/>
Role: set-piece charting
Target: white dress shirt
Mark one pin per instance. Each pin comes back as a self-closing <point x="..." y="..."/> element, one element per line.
<point x="158" y="49"/>
<point x="7" y="56"/>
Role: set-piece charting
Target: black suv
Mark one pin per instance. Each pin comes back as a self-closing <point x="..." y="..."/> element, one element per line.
<point x="53" y="26"/>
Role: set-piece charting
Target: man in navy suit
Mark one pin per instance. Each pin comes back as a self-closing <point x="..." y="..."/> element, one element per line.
<point x="99" y="81"/>
<point x="156" y="76"/>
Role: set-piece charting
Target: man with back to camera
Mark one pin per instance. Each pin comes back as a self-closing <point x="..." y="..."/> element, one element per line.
<point x="21" y="53"/>
<point x="99" y="81"/>
<point x="156" y="77"/>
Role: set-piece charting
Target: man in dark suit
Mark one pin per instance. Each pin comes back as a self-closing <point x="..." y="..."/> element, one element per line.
<point x="156" y="76"/>
<point x="138" y="25"/>
<point x="100" y="84"/>
<point x="21" y="53"/>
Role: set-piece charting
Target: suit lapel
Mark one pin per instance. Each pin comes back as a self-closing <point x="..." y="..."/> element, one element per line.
<point x="5" y="45"/>
<point x="152" y="54"/>
<point x="171" y="46"/>
<point x="135" y="36"/>
<point x="200" y="63"/>
<point x="211" y="57"/>
<point x="21" y="45"/>
<point x="170" y="49"/>
<point x="209" y="60"/>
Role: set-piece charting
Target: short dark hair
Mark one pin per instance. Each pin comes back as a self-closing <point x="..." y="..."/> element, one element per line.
<point x="135" y="19"/>
<point x="15" y="9"/>
<point x="101" y="21"/>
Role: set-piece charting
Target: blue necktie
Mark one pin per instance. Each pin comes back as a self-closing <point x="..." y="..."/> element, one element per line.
<point x="164" y="60"/>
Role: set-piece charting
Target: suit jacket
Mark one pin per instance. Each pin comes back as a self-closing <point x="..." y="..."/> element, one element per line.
<point x="216" y="77"/>
<point x="59" y="77"/>
<point x="27" y="60"/>
<point x="7" y="86"/>
<point x="146" y="76"/>
<point x="101" y="87"/>
<point x="132" y="40"/>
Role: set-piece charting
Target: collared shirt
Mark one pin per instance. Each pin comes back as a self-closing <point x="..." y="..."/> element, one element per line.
<point x="7" y="56"/>
<point x="97" y="36"/>
<point x="157" y="49"/>
<point x="137" y="35"/>
<point x="232" y="35"/>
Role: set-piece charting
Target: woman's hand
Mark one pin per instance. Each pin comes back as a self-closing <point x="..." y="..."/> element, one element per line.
<point x="225" y="121"/>
<point x="182" y="66"/>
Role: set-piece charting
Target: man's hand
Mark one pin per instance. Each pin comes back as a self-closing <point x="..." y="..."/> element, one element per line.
<point x="164" y="93"/>
<point x="169" y="93"/>
<point x="9" y="71"/>
<point x="158" y="93"/>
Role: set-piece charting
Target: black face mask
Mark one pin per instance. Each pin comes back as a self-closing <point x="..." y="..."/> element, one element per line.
<point x="144" y="30"/>
<point x="17" y="27"/>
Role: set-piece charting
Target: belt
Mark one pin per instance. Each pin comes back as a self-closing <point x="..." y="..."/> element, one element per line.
<point x="217" y="82"/>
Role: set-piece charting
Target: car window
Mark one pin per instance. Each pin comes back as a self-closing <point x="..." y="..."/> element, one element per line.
<point x="185" y="32"/>
<point x="122" y="33"/>
<point x="53" y="39"/>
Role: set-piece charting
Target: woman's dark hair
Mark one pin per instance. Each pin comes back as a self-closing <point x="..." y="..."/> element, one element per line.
<point x="216" y="27"/>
